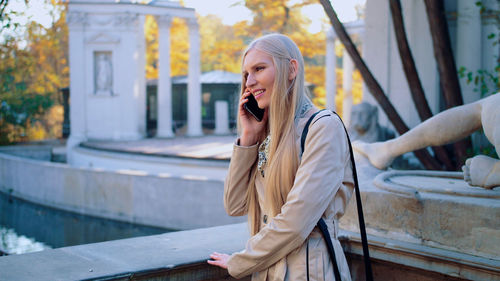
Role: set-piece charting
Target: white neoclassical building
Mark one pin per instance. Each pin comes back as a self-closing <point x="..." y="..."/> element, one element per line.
<point x="107" y="62"/>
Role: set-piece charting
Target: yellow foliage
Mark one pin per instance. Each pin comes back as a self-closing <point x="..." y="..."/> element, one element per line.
<point x="339" y="49"/>
<point x="36" y="132"/>
<point x="339" y="98"/>
<point x="54" y="118"/>
<point x="357" y="87"/>
<point x="32" y="77"/>
<point x="151" y="35"/>
<point x="179" y="47"/>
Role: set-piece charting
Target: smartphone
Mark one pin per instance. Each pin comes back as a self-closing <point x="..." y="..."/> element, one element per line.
<point x="253" y="108"/>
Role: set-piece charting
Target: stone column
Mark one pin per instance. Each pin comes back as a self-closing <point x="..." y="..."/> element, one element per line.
<point x="348" y="68"/>
<point x="164" y="93"/>
<point x="490" y="50"/>
<point x="77" y="22"/>
<point x="221" y="118"/>
<point x="331" y="64"/>
<point x="140" y="92"/>
<point x="194" y="86"/>
<point x="468" y="53"/>
<point x="468" y="48"/>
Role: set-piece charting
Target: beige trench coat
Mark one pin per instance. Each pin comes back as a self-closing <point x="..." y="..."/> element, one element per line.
<point x="289" y="244"/>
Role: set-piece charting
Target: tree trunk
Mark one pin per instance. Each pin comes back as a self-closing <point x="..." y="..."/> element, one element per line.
<point x="423" y="155"/>
<point x="446" y="65"/>
<point x="416" y="89"/>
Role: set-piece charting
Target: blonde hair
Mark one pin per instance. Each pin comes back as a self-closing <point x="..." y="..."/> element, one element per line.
<point x="283" y="160"/>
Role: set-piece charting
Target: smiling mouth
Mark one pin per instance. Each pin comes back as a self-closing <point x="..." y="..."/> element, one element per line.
<point x="257" y="94"/>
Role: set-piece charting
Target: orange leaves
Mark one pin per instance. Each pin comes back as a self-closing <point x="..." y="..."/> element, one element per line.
<point x="151" y="36"/>
<point x="179" y="47"/>
<point x="33" y="69"/>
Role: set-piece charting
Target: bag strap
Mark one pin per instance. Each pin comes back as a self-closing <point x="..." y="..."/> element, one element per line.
<point x="321" y="223"/>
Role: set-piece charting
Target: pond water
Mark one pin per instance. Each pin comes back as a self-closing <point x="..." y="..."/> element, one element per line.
<point x="27" y="227"/>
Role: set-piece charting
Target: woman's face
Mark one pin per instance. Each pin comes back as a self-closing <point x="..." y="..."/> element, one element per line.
<point x="258" y="67"/>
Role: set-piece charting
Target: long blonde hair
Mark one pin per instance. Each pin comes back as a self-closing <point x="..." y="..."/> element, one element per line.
<point x="283" y="160"/>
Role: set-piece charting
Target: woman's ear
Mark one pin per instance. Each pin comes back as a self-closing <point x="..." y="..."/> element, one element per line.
<point x="294" y="67"/>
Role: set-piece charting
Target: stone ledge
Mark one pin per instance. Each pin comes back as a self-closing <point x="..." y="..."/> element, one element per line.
<point x="182" y="255"/>
<point x="422" y="258"/>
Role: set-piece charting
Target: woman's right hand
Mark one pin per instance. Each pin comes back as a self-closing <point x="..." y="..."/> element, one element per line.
<point x="251" y="129"/>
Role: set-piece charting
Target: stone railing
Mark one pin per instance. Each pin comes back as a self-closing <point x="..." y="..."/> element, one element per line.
<point x="182" y="256"/>
<point x="171" y="256"/>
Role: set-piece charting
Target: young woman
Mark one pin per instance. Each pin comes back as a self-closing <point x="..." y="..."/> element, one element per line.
<point x="283" y="192"/>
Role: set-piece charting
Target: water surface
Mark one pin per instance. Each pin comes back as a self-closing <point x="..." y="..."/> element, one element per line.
<point x="27" y="227"/>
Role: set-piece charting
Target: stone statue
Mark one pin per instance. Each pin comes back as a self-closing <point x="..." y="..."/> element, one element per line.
<point x="103" y="78"/>
<point x="446" y="127"/>
<point x="364" y="124"/>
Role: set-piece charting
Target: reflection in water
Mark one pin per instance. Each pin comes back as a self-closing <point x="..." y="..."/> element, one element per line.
<point x="58" y="228"/>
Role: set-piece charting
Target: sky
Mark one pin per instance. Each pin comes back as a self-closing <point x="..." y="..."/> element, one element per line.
<point x="230" y="11"/>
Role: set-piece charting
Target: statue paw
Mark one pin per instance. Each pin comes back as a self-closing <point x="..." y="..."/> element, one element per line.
<point x="482" y="171"/>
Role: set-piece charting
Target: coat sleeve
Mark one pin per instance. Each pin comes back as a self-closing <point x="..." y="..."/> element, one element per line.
<point x="318" y="178"/>
<point x="237" y="179"/>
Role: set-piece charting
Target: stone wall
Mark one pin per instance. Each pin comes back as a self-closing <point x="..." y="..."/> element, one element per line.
<point x="126" y="195"/>
<point x="182" y="256"/>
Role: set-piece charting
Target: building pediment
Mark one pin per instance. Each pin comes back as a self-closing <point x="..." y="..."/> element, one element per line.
<point x="103" y="38"/>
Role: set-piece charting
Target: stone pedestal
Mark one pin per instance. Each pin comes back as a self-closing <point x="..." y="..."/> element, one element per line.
<point x="431" y="209"/>
<point x="221" y="118"/>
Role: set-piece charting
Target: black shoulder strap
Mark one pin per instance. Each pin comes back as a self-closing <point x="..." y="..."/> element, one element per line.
<point x="322" y="225"/>
<point x="306" y="130"/>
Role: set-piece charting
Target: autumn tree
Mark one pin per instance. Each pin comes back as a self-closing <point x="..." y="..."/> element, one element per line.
<point x="286" y="17"/>
<point x="32" y="70"/>
<point x="222" y="45"/>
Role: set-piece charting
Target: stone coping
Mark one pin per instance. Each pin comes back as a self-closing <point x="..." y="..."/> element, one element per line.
<point x="122" y="259"/>
<point x="185" y="253"/>
<point x="214" y="148"/>
<point x="414" y="182"/>
<point x="424" y="257"/>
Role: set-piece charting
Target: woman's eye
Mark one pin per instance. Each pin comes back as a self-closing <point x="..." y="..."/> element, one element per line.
<point x="259" y="68"/>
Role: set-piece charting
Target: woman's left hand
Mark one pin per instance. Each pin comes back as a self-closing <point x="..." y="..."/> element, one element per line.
<point x="219" y="260"/>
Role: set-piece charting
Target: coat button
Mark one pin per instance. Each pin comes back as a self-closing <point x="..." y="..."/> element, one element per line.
<point x="265" y="218"/>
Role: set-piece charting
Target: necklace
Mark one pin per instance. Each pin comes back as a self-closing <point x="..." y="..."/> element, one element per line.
<point x="263" y="154"/>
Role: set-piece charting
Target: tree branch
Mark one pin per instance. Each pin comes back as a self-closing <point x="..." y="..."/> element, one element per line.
<point x="423" y="155"/>
<point x="416" y="89"/>
<point x="446" y="65"/>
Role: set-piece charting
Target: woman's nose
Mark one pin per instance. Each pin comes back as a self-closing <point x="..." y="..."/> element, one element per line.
<point x="250" y="81"/>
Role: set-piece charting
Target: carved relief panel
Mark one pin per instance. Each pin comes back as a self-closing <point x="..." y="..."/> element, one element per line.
<point x="103" y="73"/>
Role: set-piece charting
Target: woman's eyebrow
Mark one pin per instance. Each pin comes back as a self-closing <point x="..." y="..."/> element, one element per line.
<point x="257" y="64"/>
